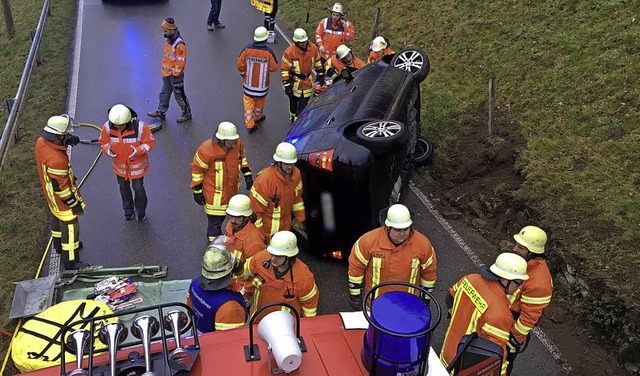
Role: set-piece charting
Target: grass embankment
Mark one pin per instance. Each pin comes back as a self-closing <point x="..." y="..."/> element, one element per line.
<point x="567" y="73"/>
<point x="23" y="211"/>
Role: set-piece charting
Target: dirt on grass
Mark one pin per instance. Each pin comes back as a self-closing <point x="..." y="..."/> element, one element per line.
<point x="476" y="197"/>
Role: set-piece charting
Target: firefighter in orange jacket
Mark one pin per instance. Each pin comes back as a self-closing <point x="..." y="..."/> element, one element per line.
<point x="255" y="63"/>
<point x="298" y="63"/>
<point x="174" y="61"/>
<point x="535" y="293"/>
<point x="277" y="194"/>
<point x="344" y="58"/>
<point x="215" y="296"/>
<point x="333" y="31"/>
<point x="59" y="186"/>
<point x="379" y="49"/>
<point x="215" y="173"/>
<point x="278" y="276"/>
<point x="395" y="252"/>
<point x="479" y="303"/>
<point x="128" y="141"/>
<point x="247" y="239"/>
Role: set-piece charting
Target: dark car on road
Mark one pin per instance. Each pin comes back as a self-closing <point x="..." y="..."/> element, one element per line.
<point x="357" y="143"/>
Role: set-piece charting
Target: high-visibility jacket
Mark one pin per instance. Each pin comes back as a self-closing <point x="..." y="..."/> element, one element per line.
<point x="297" y="67"/>
<point x="217" y="310"/>
<point x="480" y="306"/>
<point x="246" y="242"/>
<point x="375" y="259"/>
<point x="57" y="179"/>
<point x="255" y="63"/>
<point x="136" y="136"/>
<point x="336" y="65"/>
<point x="218" y="173"/>
<point x="274" y="199"/>
<point x="375" y="56"/>
<point x="296" y="287"/>
<point x="533" y="296"/>
<point x="331" y="35"/>
<point x="174" y="58"/>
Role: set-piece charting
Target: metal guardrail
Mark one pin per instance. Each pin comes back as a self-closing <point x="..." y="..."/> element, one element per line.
<point x="10" y="127"/>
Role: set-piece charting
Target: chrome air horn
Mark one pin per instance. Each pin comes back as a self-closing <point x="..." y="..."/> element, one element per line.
<point x="78" y="344"/>
<point x="143" y="328"/>
<point x="112" y="335"/>
<point x="175" y="322"/>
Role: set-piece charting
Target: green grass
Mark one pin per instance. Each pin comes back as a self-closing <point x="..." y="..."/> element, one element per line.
<point x="23" y="211"/>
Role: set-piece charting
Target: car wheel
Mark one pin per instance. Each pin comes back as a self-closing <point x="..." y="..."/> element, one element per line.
<point x="382" y="136"/>
<point x="413" y="60"/>
<point x="423" y="152"/>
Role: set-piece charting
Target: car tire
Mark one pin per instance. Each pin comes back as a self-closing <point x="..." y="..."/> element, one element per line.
<point x="382" y="136"/>
<point x="413" y="60"/>
<point x="424" y="151"/>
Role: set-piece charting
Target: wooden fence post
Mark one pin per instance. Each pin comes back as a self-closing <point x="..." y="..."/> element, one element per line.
<point x="8" y="18"/>
<point x="376" y="20"/>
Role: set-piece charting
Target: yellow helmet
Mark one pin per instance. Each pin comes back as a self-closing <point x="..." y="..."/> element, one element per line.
<point x="285" y="153"/>
<point x="337" y="8"/>
<point x="261" y="34"/>
<point x="227" y="131"/>
<point x="217" y="262"/>
<point x="299" y="35"/>
<point x="510" y="266"/>
<point x="532" y="238"/>
<point x="342" y="51"/>
<point x="283" y="243"/>
<point x="378" y="44"/>
<point x="119" y="114"/>
<point x="398" y="216"/>
<point x="60" y="124"/>
<point x="239" y="206"/>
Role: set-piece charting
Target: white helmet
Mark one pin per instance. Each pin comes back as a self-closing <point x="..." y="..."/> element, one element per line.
<point x="285" y="153"/>
<point x="378" y="44"/>
<point x="217" y="262"/>
<point x="239" y="206"/>
<point x="261" y="34"/>
<point x="299" y="35"/>
<point x="532" y="238"/>
<point x="119" y="114"/>
<point x="227" y="131"/>
<point x="337" y="8"/>
<point x="59" y="124"/>
<point x="342" y="51"/>
<point x="283" y="243"/>
<point x="398" y="216"/>
<point x="510" y="266"/>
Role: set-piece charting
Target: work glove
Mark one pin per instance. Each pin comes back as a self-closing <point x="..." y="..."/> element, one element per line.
<point x="321" y="49"/>
<point x="198" y="196"/>
<point x="332" y="73"/>
<point x="135" y="152"/>
<point x="288" y="89"/>
<point x="238" y="267"/>
<point x="355" y="302"/>
<point x="77" y="210"/>
<point x="302" y="226"/>
<point x="72" y="140"/>
<point x="110" y="152"/>
<point x="513" y="345"/>
<point x="248" y="180"/>
<point x="321" y="79"/>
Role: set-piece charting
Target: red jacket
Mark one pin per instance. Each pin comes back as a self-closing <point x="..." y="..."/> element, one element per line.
<point x="255" y="63"/>
<point x="174" y="58"/>
<point x="376" y="260"/>
<point x="57" y="179"/>
<point x="480" y="306"/>
<point x="218" y="172"/>
<point x="533" y="296"/>
<point x="330" y="35"/>
<point x="274" y="199"/>
<point x="136" y="136"/>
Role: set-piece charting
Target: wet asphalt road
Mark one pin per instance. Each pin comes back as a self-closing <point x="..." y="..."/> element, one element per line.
<point x="120" y="54"/>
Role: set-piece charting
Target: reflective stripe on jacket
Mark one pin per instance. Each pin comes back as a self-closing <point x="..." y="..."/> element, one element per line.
<point x="480" y="306"/>
<point x="255" y="63"/>
<point x="57" y="178"/>
<point x="330" y="35"/>
<point x="533" y="296"/>
<point x="218" y="171"/>
<point x="274" y="199"/>
<point x="174" y="58"/>
<point x="376" y="260"/>
<point x="136" y="136"/>
<point x="297" y="287"/>
<point x="296" y="64"/>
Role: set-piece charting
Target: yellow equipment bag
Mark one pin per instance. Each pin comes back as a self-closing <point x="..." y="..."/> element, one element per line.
<point x="265" y="6"/>
<point x="37" y="343"/>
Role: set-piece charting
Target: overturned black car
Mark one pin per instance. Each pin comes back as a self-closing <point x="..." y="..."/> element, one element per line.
<point x="357" y="143"/>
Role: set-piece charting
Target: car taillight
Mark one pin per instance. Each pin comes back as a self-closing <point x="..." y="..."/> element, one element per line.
<point x="322" y="159"/>
<point x="336" y="255"/>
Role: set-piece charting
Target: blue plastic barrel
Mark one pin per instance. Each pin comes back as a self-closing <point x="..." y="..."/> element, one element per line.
<point x="400" y="313"/>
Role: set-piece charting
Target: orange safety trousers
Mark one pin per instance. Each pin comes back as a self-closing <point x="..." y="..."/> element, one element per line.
<point x="253" y="107"/>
